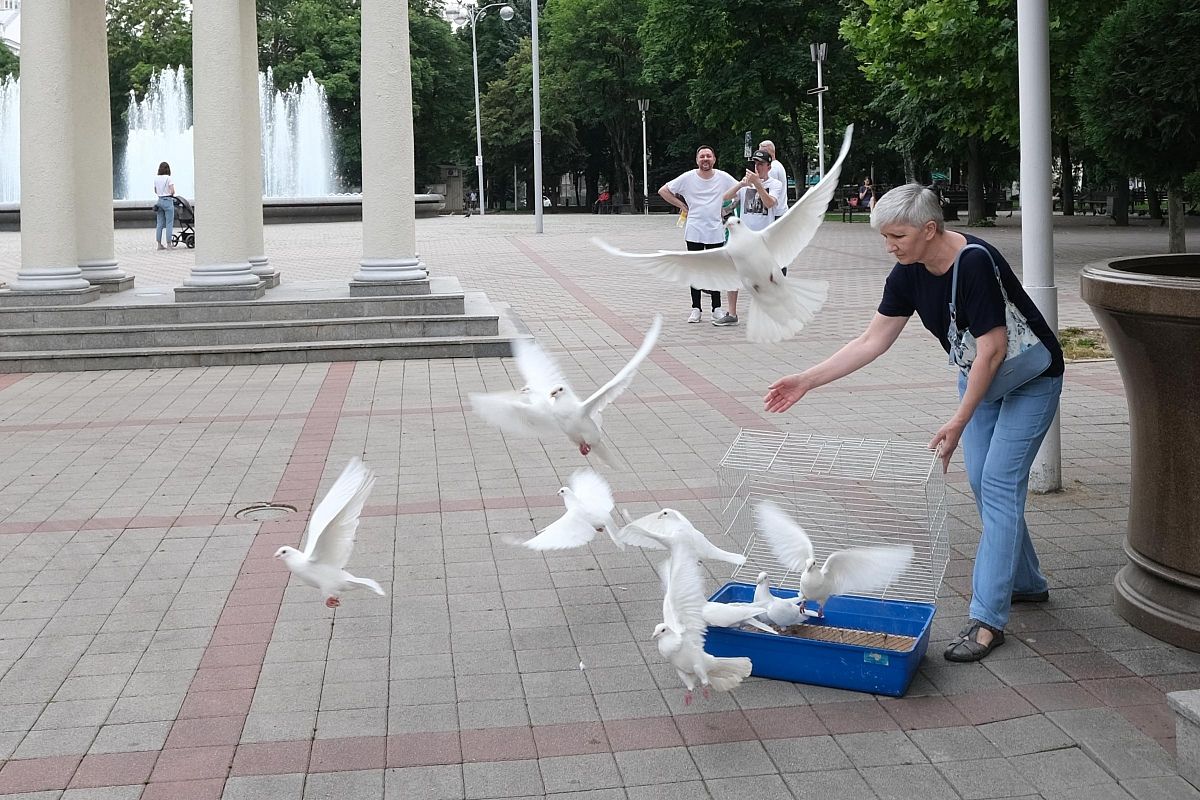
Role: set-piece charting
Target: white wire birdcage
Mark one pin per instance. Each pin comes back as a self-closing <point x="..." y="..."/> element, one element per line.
<point x="844" y="493"/>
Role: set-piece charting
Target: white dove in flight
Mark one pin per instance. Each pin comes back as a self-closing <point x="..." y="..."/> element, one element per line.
<point x="754" y="261"/>
<point x="857" y="569"/>
<point x="680" y="636"/>
<point x="589" y="504"/>
<point x="547" y="404"/>
<point x="330" y="538"/>
<point x="668" y="529"/>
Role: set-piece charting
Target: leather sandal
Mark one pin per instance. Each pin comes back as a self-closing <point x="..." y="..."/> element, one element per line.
<point x="966" y="646"/>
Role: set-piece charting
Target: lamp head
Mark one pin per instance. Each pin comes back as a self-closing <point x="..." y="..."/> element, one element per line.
<point x="507" y="13"/>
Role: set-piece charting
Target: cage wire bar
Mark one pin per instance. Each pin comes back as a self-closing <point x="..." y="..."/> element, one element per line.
<point x="844" y="492"/>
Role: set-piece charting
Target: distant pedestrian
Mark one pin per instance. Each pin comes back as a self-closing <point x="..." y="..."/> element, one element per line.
<point x="777" y="172"/>
<point x="866" y="194"/>
<point x="759" y="197"/>
<point x="703" y="190"/>
<point x="472" y="200"/>
<point x="164" y="206"/>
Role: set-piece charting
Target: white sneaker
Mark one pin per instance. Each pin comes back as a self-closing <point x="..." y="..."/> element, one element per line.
<point x="718" y="314"/>
<point x="694" y="316"/>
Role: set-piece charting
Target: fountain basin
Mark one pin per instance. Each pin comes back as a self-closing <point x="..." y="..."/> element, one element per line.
<point x="1149" y="308"/>
<point x="336" y="208"/>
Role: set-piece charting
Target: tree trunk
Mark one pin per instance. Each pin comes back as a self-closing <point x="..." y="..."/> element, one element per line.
<point x="1153" y="201"/>
<point x="910" y="169"/>
<point x="1068" y="176"/>
<point x="799" y="166"/>
<point x="1120" y="211"/>
<point x="1175" y="219"/>
<point x="975" y="196"/>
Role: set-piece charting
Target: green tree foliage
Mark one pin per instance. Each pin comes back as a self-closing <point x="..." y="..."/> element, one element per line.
<point x="1141" y="113"/>
<point x="443" y="98"/>
<point x="144" y="37"/>
<point x="733" y="67"/>
<point x="507" y="120"/>
<point x="955" y="62"/>
<point x="322" y="37"/>
<point x="593" y="52"/>
<point x="9" y="63"/>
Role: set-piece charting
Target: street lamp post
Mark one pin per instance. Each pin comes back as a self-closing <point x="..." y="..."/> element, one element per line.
<point x="818" y="51"/>
<point x="537" y="119"/>
<point x="644" y="106"/>
<point x="473" y="15"/>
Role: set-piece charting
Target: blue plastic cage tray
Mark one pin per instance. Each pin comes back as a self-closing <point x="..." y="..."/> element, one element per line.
<point x="880" y="665"/>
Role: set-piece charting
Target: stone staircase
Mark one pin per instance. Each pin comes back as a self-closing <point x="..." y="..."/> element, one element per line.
<point x="293" y="323"/>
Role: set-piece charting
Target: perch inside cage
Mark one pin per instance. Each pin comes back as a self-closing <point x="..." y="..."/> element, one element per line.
<point x="844" y="493"/>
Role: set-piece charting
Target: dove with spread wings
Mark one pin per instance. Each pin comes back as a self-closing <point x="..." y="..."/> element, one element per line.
<point x="547" y="405"/>
<point x="754" y="261"/>
<point x="330" y="538"/>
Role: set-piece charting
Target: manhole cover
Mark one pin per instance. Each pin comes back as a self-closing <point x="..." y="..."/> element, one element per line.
<point x="262" y="512"/>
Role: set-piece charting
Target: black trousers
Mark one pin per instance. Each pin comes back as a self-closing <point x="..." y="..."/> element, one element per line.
<point x="714" y="296"/>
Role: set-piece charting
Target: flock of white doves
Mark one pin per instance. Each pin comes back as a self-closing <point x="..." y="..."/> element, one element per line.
<point x="546" y="406"/>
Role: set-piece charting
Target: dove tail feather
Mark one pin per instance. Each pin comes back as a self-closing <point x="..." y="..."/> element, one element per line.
<point x="774" y="322"/>
<point x="368" y="583"/>
<point x="724" y="674"/>
<point x="604" y="455"/>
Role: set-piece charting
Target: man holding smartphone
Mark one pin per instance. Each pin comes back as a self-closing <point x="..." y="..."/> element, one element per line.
<point x="759" y="196"/>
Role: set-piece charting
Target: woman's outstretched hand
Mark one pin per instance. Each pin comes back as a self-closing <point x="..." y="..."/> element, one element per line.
<point x="784" y="393"/>
<point x="945" y="442"/>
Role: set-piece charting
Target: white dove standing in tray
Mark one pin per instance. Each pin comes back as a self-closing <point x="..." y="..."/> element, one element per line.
<point x="547" y="404"/>
<point x="589" y="504"/>
<point x="858" y="569"/>
<point x="330" y="538"/>
<point x="755" y="260"/>
<point x="680" y="636"/>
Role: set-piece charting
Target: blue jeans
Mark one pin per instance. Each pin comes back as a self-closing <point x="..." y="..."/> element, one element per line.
<point x="999" y="445"/>
<point x="164" y="219"/>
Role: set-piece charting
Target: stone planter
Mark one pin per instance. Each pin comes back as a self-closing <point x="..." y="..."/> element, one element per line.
<point x="1149" y="308"/>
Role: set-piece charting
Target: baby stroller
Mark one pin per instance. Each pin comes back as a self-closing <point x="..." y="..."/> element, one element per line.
<point x="185" y="218"/>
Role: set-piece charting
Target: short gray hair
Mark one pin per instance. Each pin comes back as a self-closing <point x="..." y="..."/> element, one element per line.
<point x="911" y="204"/>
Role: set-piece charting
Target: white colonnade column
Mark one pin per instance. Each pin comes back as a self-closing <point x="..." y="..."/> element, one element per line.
<point x="252" y="128"/>
<point x="49" y="272"/>
<point x="92" y="188"/>
<point x="219" y="116"/>
<point x="389" y="184"/>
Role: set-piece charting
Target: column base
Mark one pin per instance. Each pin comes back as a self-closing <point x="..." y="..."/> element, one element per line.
<point x="265" y="272"/>
<point x="390" y="270"/>
<point x="219" y="294"/>
<point x="14" y="298"/>
<point x="102" y="270"/>
<point x="112" y="285"/>
<point x="1161" y="601"/>
<point x="270" y="280"/>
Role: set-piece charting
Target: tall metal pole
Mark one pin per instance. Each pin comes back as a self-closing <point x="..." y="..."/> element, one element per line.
<point x="537" y="120"/>
<point x="1037" y="229"/>
<point x="820" y="119"/>
<point x="478" y="126"/>
<point x="644" y="105"/>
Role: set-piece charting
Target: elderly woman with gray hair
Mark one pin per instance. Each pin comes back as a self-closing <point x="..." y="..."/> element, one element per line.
<point x="1000" y="436"/>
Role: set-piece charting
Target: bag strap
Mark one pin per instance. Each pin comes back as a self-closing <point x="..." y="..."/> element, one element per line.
<point x="954" y="279"/>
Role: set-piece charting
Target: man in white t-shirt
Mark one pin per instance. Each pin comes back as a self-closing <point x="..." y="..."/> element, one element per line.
<point x="777" y="172"/>
<point x="759" y="197"/>
<point x="703" y="190"/>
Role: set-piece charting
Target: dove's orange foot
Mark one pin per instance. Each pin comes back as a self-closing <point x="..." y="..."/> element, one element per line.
<point x="584" y="449"/>
<point x="704" y="691"/>
<point x="333" y="602"/>
<point x="687" y="697"/>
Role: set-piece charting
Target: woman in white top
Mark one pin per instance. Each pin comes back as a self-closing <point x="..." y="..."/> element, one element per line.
<point x="164" y="207"/>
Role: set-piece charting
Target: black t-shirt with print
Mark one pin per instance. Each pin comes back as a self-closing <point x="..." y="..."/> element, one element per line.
<point x="980" y="306"/>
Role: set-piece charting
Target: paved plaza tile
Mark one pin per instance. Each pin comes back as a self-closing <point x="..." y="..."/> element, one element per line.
<point x="151" y="647"/>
